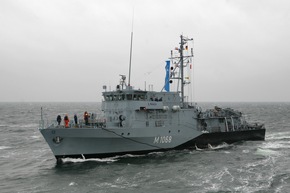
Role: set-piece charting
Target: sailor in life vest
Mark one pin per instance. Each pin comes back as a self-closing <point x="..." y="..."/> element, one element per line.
<point x="86" y="118"/>
<point x="66" y="120"/>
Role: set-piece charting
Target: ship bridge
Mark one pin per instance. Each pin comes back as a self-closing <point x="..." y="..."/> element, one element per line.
<point x="141" y="99"/>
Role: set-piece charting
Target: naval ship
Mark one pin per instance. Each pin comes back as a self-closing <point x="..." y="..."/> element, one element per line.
<point x="134" y="121"/>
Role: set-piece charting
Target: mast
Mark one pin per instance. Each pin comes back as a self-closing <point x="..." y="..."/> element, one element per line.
<point x="181" y="58"/>
<point x="181" y="68"/>
<point x="131" y="47"/>
<point x="129" y="81"/>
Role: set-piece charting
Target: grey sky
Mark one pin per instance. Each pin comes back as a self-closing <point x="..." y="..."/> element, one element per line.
<point x="66" y="50"/>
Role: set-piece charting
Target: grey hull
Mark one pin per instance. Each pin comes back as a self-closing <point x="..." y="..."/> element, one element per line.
<point x="217" y="138"/>
<point x="100" y="142"/>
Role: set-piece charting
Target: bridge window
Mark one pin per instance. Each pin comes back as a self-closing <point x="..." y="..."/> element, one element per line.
<point x="138" y="97"/>
<point x="129" y="96"/>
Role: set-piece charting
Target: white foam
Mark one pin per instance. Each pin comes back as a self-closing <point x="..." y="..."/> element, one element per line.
<point x="129" y="155"/>
<point x="210" y="147"/>
<point x="79" y="160"/>
<point x="246" y="151"/>
<point x="265" y="152"/>
<point x="108" y="160"/>
<point x="198" y="149"/>
<point x="4" y="147"/>
<point x="35" y="136"/>
<point x="72" y="184"/>
<point x="155" y="153"/>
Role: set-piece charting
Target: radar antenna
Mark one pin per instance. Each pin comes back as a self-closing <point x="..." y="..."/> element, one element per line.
<point x="122" y="81"/>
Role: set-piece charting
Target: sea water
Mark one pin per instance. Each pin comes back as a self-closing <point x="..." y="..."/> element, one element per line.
<point x="28" y="165"/>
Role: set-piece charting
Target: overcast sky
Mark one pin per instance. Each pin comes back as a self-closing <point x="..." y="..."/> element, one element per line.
<point x="66" y="50"/>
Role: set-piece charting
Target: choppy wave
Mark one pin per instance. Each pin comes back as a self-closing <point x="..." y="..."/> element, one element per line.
<point x="279" y="136"/>
<point x="30" y="125"/>
<point x="277" y="145"/>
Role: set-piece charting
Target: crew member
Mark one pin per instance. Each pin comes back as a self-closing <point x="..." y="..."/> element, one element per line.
<point x="86" y="118"/>
<point x="58" y="119"/>
<point x="76" y="119"/>
<point x="66" y="121"/>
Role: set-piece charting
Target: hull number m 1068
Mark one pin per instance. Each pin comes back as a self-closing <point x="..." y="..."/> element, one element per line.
<point x="162" y="139"/>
